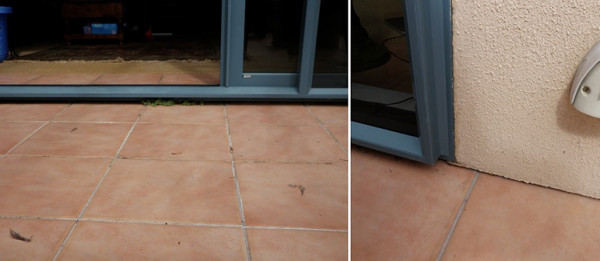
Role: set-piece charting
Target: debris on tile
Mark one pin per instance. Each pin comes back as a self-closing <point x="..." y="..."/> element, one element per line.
<point x="17" y="236"/>
<point x="74" y="129"/>
<point x="175" y="153"/>
<point x="300" y="187"/>
<point x="230" y="149"/>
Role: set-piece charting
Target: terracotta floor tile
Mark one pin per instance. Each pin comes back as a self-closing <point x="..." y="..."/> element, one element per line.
<point x="17" y="78"/>
<point x="129" y="78"/>
<point x="29" y="112"/>
<point x="177" y="141"/>
<point x="402" y="210"/>
<point x="11" y="133"/>
<point x="270" y="114"/>
<point x="340" y="133"/>
<point x="173" y="191"/>
<point x="47" y="237"/>
<point x="65" y="78"/>
<point x="197" y="114"/>
<point x="39" y="186"/>
<point x="268" y="244"/>
<point x="331" y="114"/>
<point x="510" y="220"/>
<point x="284" y="144"/>
<point x="193" y="79"/>
<point x="110" y="241"/>
<point x="76" y="139"/>
<point x="272" y="194"/>
<point x="101" y="112"/>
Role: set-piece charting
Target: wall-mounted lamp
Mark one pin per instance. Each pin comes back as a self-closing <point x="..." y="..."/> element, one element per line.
<point x="585" y="90"/>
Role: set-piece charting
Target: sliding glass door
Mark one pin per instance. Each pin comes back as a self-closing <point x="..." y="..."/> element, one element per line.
<point x="280" y="43"/>
<point x="401" y="79"/>
<point x="268" y="50"/>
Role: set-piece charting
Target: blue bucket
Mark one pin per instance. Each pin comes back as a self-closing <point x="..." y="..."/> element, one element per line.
<point x="4" y="11"/>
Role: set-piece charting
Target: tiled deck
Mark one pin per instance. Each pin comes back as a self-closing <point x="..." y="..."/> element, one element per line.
<point x="403" y="210"/>
<point x="209" y="182"/>
<point x="109" y="78"/>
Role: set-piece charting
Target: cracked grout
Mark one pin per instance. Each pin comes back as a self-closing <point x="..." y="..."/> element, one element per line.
<point x="62" y="245"/>
<point x="237" y="186"/>
<point x="345" y="149"/>
<point x="458" y="215"/>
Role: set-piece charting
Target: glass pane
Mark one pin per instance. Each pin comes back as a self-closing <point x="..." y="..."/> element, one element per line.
<point x="145" y="42"/>
<point x="332" y="45"/>
<point x="272" y="37"/>
<point x="382" y="93"/>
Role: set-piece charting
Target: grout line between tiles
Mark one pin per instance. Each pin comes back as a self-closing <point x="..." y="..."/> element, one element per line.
<point x="326" y="130"/>
<point x="40" y="76"/>
<point x="62" y="245"/>
<point x="182" y="160"/>
<point x="97" y="122"/>
<point x="460" y="211"/>
<point x="25" y="139"/>
<point x="109" y="167"/>
<point x="161" y="78"/>
<point x="149" y="222"/>
<point x="37" y="218"/>
<point x="237" y="186"/>
<point x="161" y="223"/>
<point x="299" y="229"/>
<point x="36" y="131"/>
<point x="95" y="80"/>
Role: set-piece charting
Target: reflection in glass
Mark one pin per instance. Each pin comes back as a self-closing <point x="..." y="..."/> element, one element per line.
<point x="114" y="42"/>
<point x="332" y="44"/>
<point x="382" y="93"/>
<point x="272" y="35"/>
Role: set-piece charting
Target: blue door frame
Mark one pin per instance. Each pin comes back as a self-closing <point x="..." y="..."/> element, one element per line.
<point x="429" y="27"/>
<point x="234" y="85"/>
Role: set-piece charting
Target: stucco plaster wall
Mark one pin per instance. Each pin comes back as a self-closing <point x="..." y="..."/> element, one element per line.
<point x="513" y="65"/>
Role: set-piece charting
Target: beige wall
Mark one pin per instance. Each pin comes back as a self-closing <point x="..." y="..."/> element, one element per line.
<point x="513" y="64"/>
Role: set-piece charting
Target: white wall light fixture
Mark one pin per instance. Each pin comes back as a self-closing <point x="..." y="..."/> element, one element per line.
<point x="585" y="89"/>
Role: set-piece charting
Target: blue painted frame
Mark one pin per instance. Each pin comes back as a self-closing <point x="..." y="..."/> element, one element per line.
<point x="233" y="85"/>
<point x="429" y="27"/>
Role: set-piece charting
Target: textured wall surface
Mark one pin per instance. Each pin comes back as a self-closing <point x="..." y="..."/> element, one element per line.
<point x="513" y="64"/>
